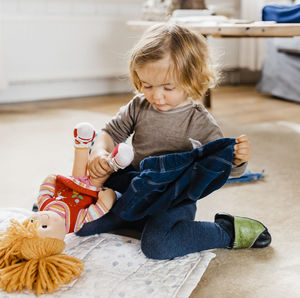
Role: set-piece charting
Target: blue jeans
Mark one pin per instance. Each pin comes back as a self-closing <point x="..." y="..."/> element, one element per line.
<point x="165" y="181"/>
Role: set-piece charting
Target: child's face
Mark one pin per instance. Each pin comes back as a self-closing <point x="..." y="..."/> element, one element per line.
<point x="51" y="225"/>
<point x="159" y="87"/>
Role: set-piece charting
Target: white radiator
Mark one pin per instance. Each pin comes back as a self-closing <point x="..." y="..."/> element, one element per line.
<point x="65" y="48"/>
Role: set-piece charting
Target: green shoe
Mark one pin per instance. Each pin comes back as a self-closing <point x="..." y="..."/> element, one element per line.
<point x="247" y="232"/>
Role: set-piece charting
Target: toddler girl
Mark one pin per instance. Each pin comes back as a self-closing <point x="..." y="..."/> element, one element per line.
<point x="171" y="71"/>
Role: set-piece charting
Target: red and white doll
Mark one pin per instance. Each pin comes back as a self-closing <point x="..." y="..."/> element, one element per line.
<point x="31" y="252"/>
<point x="65" y="203"/>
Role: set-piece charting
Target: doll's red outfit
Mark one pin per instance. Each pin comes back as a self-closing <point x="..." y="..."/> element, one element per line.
<point x="75" y="199"/>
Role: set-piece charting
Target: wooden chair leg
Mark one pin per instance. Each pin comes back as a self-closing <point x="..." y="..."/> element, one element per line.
<point x="207" y="99"/>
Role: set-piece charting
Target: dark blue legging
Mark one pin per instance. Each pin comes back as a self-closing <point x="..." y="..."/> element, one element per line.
<point x="167" y="235"/>
<point x="174" y="233"/>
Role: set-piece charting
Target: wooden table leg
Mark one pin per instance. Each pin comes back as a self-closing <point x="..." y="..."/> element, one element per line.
<point x="207" y="99"/>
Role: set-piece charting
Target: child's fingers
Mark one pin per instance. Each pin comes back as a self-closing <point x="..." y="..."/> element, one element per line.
<point x="93" y="172"/>
<point x="242" y="151"/>
<point x="243" y="157"/>
<point x="237" y="161"/>
<point x="105" y="166"/>
<point x="241" y="146"/>
<point x="96" y="170"/>
<point x="241" y="138"/>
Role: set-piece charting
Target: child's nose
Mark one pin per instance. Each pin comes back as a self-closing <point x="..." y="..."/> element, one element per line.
<point x="158" y="95"/>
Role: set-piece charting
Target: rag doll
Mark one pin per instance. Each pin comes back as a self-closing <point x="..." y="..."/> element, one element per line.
<point x="30" y="252"/>
<point x="65" y="203"/>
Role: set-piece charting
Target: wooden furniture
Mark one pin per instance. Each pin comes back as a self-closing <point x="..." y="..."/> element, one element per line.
<point x="236" y="30"/>
<point x="255" y="29"/>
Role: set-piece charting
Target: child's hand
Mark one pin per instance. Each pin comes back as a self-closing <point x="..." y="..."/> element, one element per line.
<point x="98" y="166"/>
<point x="242" y="150"/>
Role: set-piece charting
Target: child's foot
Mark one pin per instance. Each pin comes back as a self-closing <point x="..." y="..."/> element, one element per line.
<point x="84" y="134"/>
<point x="245" y="232"/>
<point x="121" y="157"/>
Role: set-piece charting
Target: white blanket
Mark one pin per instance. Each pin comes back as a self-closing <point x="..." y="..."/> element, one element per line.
<point x="114" y="266"/>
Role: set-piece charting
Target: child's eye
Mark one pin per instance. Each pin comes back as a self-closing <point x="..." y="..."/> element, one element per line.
<point x="169" y="89"/>
<point x="147" y="87"/>
<point x="44" y="226"/>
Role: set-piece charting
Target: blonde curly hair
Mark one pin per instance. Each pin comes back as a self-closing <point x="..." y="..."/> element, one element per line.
<point x="29" y="261"/>
<point x="191" y="64"/>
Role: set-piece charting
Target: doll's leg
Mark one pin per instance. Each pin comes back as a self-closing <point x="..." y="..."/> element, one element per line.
<point x="46" y="191"/>
<point x="84" y="134"/>
<point x="81" y="156"/>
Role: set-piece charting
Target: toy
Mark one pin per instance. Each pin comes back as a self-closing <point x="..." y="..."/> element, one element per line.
<point x="31" y="252"/>
<point x="67" y="202"/>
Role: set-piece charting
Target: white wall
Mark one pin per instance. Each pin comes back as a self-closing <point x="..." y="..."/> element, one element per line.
<point x="64" y="48"/>
<point x="71" y="48"/>
<point x="225" y="50"/>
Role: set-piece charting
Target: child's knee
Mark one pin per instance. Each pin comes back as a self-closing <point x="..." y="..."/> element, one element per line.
<point x="154" y="247"/>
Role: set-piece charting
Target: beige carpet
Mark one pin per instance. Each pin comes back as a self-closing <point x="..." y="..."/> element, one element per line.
<point x="273" y="271"/>
<point x="34" y="145"/>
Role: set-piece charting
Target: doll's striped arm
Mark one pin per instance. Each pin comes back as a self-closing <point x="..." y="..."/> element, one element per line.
<point x="46" y="192"/>
<point x="91" y="213"/>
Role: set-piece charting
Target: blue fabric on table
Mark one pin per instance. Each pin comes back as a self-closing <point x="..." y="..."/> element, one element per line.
<point x="166" y="181"/>
<point x="281" y="13"/>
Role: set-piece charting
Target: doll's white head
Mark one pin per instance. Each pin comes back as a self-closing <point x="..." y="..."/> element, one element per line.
<point x="51" y="225"/>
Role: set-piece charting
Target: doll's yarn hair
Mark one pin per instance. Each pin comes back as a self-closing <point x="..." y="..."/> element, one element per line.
<point x="30" y="262"/>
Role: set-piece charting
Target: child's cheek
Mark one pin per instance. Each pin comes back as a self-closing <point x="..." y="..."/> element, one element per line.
<point x="147" y="94"/>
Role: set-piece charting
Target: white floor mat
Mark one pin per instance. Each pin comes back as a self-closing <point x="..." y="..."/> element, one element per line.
<point x="116" y="267"/>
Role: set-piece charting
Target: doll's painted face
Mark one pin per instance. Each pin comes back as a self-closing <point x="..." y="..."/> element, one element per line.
<point x="51" y="225"/>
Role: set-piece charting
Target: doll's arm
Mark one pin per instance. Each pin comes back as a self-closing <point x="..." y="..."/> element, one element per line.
<point x="106" y="199"/>
<point x="47" y="190"/>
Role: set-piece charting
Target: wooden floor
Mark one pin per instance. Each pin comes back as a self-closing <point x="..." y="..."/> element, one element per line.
<point x="239" y="104"/>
